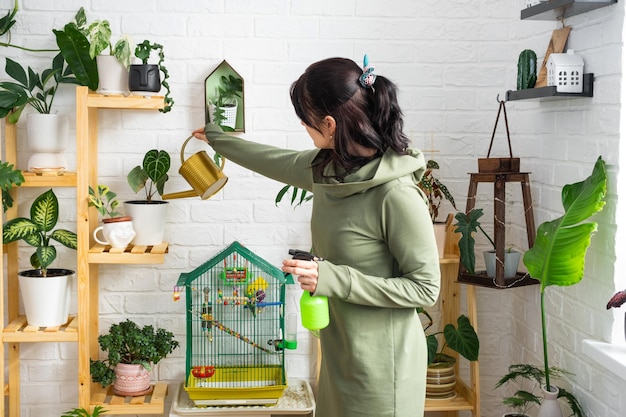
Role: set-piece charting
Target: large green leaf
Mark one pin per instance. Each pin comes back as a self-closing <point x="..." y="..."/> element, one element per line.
<point x="463" y="339"/>
<point x="18" y="228"/>
<point x="45" y="211"/>
<point x="65" y="237"/>
<point x="156" y="164"/>
<point x="466" y="224"/>
<point x="558" y="255"/>
<point x="75" y="49"/>
<point x="16" y="71"/>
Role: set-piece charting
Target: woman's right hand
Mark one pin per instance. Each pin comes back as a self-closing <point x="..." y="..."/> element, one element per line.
<point x="199" y="134"/>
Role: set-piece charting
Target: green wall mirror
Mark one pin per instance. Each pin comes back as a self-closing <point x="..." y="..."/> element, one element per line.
<point x="224" y="99"/>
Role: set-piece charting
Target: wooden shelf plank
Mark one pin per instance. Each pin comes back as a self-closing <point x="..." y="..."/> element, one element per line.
<point x="19" y="331"/>
<point x="101" y="254"/>
<point x="131" y="102"/>
<point x="153" y="403"/>
<point x="31" y="179"/>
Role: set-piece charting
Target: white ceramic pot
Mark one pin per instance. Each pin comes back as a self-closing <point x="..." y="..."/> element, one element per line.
<point x="46" y="300"/>
<point x="131" y="379"/>
<point x="230" y="114"/>
<point x="117" y="232"/>
<point x="148" y="221"/>
<point x="550" y="405"/>
<point x="511" y="262"/>
<point x="48" y="137"/>
<point x="113" y="76"/>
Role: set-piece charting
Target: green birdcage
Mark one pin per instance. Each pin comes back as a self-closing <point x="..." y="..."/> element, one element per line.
<point x="235" y="325"/>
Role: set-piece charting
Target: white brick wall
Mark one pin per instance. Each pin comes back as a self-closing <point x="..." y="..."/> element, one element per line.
<point x="450" y="59"/>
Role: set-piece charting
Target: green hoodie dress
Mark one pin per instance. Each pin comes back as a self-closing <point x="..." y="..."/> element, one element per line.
<point x="380" y="263"/>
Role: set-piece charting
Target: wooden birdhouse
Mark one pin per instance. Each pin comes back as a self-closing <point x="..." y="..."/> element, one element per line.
<point x="235" y="306"/>
<point x="565" y="71"/>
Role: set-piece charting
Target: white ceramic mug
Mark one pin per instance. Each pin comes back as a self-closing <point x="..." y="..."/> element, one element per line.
<point x="116" y="234"/>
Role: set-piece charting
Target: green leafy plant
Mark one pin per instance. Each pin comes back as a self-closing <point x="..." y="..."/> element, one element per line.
<point x="38" y="231"/>
<point x="104" y="200"/>
<point x="128" y="343"/>
<point x="525" y="397"/>
<point x="467" y="224"/>
<point x="143" y="51"/>
<point x="9" y="177"/>
<point x="461" y="339"/>
<point x="434" y="189"/>
<point x="229" y="89"/>
<point x="152" y="174"/>
<point x="81" y="412"/>
<point x="558" y="255"/>
<point x="31" y="88"/>
<point x="304" y="196"/>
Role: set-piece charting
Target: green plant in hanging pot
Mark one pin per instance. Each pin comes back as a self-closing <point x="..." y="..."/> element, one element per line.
<point x="467" y="224"/>
<point x="128" y="344"/>
<point x="149" y="215"/>
<point x="224" y="105"/>
<point x="145" y="77"/>
<point x="45" y="291"/>
<point x="435" y="190"/>
<point x="558" y="255"/>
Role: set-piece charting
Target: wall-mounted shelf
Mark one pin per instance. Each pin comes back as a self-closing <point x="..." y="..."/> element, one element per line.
<point x="550" y="93"/>
<point x="555" y="9"/>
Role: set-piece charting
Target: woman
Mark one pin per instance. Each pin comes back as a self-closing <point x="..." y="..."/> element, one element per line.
<point x="369" y="224"/>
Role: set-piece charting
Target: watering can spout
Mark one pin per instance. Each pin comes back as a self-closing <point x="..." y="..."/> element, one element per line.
<point x="204" y="176"/>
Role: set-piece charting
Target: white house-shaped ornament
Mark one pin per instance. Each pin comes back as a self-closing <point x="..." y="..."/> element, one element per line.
<point x="565" y="71"/>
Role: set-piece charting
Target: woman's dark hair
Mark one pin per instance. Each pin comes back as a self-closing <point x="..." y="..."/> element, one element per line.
<point x="370" y="117"/>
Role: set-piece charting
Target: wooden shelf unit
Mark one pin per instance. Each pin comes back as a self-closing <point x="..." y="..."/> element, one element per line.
<point x="468" y="392"/>
<point x="83" y="327"/>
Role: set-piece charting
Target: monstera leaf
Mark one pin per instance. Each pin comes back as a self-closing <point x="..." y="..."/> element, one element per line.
<point x="558" y="255"/>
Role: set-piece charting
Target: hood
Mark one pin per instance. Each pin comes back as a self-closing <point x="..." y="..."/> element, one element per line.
<point x="379" y="171"/>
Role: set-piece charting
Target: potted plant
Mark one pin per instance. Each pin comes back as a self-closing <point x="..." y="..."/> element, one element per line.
<point x="467" y="224"/>
<point x="145" y="78"/>
<point x="82" y="45"/>
<point x="441" y="375"/>
<point x="224" y="107"/>
<point x="9" y="177"/>
<point x="149" y="214"/>
<point x="45" y="291"/>
<point x="131" y="352"/>
<point x="618" y="299"/>
<point x="558" y="255"/>
<point x="436" y="192"/>
<point x="526" y="396"/>
<point x="117" y="229"/>
<point x="81" y="412"/>
<point x="47" y="132"/>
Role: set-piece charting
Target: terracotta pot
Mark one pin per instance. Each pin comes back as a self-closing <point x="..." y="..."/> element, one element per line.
<point x="132" y="379"/>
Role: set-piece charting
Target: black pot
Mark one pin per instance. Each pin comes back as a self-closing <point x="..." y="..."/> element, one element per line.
<point x="52" y="272"/>
<point x="144" y="77"/>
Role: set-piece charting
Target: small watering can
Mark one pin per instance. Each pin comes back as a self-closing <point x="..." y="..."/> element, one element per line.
<point x="204" y="176"/>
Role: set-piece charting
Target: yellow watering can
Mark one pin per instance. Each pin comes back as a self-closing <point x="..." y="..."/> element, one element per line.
<point x="204" y="176"/>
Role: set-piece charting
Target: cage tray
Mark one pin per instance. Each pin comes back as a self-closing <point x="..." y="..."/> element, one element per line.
<point x="229" y="386"/>
<point x="296" y="399"/>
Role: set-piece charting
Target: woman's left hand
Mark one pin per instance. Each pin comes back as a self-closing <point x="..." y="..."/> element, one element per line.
<point x="306" y="271"/>
<point x="199" y="134"/>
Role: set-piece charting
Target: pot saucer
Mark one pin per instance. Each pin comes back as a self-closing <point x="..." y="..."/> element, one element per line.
<point x="133" y="394"/>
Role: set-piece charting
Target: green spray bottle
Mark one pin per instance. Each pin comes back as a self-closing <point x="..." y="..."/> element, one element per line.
<point x="313" y="308"/>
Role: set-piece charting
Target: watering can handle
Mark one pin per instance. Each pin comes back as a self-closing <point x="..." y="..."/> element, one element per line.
<point x="182" y="154"/>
